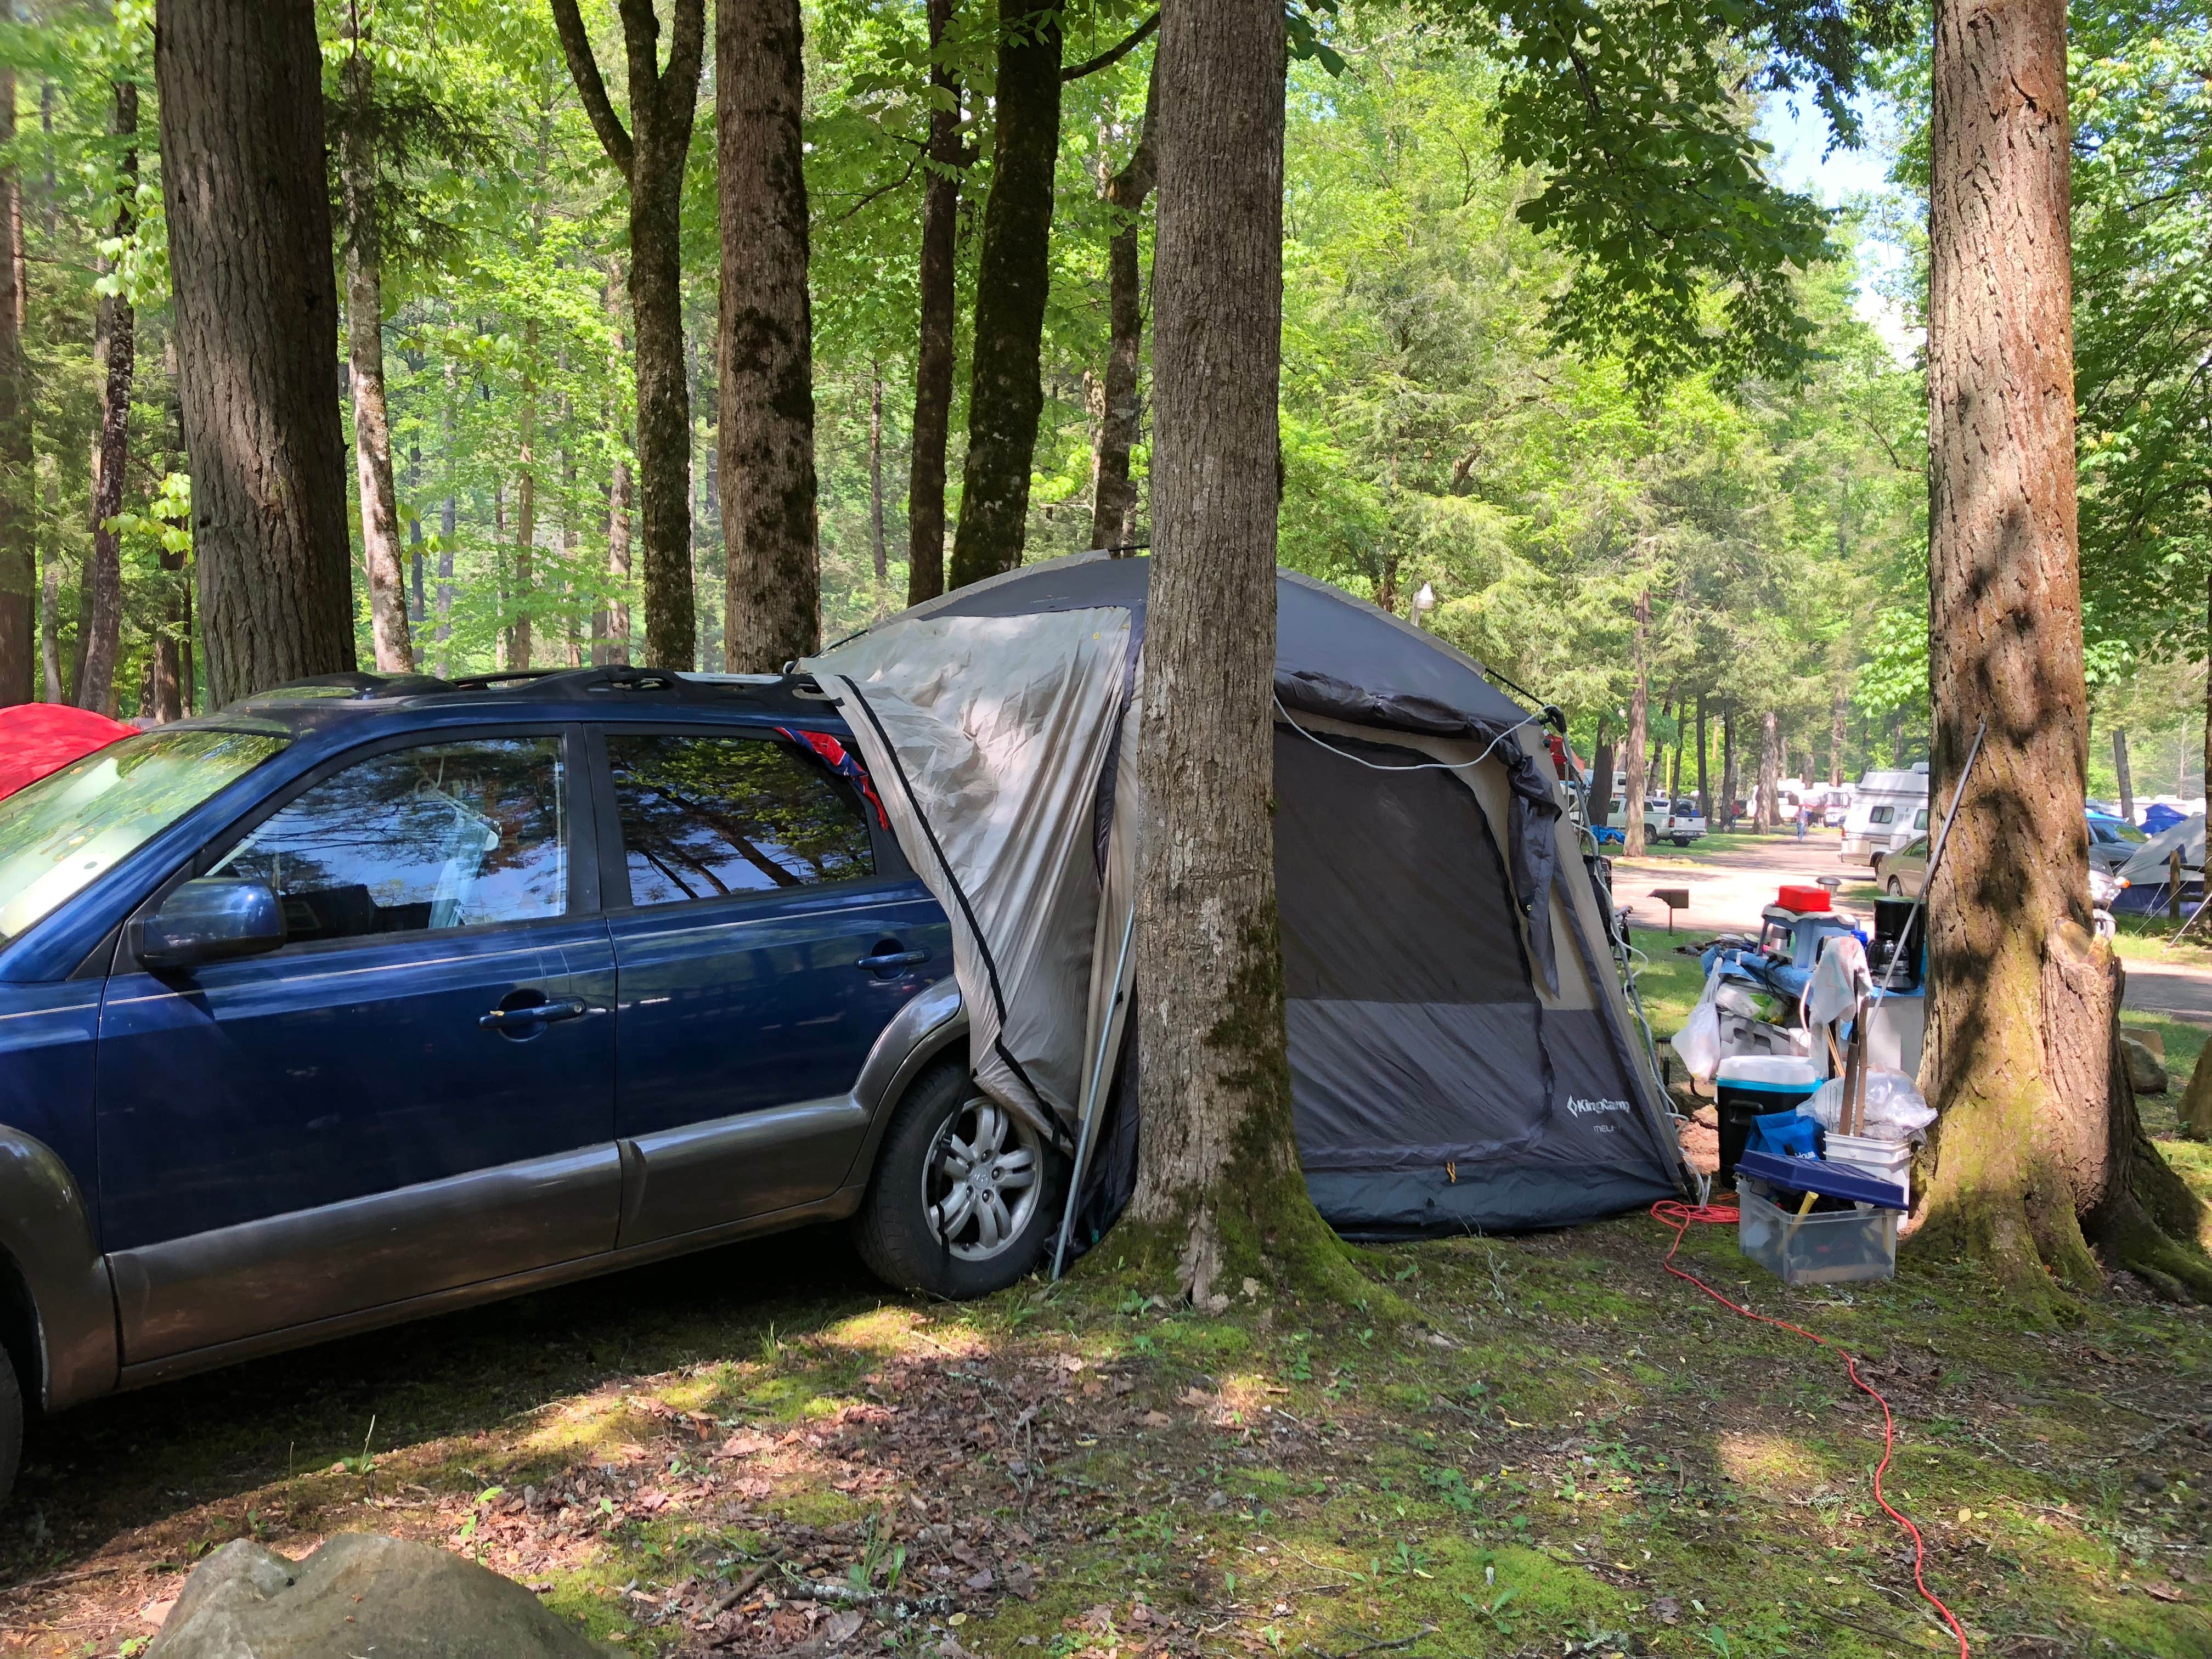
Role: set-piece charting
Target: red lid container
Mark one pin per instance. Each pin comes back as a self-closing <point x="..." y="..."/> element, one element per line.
<point x="1803" y="899"/>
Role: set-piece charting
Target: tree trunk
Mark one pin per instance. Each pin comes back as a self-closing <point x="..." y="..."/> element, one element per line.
<point x="250" y="254"/>
<point x="1705" y="795"/>
<point x="1768" y="816"/>
<point x="1006" y="393"/>
<point x="773" y="603"/>
<point x="372" y="427"/>
<point x="933" y="356"/>
<point x="1219" y="1195"/>
<point x="1601" y="777"/>
<point x="1836" y="711"/>
<point x="1640" y="711"/>
<point x="616" y="631"/>
<point x="2208" y="690"/>
<point x="1728" y="764"/>
<point x="1113" y="497"/>
<point x="449" y="531"/>
<point x="2038" y="1142"/>
<point x="19" y="623"/>
<point x="662" y="103"/>
<point x="522" y="595"/>
<point x="99" y="626"/>
<point x="877" y="551"/>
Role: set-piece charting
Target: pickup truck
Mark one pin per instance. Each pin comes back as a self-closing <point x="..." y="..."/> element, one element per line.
<point x="1678" y="821"/>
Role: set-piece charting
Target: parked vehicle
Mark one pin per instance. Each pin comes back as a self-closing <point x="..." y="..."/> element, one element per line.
<point x="1888" y="809"/>
<point x="2112" y="841"/>
<point x="1899" y="873"/>
<point x="1678" y="820"/>
<point x="380" y="997"/>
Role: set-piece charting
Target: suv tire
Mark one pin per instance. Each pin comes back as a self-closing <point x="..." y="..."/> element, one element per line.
<point x="11" y="1426"/>
<point x="951" y="1153"/>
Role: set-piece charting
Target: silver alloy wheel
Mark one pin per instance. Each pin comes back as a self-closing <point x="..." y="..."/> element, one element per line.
<point x="981" y="1181"/>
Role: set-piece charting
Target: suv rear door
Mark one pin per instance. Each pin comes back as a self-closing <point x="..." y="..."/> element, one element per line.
<point x="766" y="930"/>
<point x="333" y="1127"/>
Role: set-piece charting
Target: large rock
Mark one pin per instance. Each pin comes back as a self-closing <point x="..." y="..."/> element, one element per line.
<point x="2196" y="1103"/>
<point x="359" y="1593"/>
<point x="2146" y="1072"/>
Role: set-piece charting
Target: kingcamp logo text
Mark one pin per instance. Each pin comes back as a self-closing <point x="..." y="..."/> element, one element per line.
<point x="1582" y="1107"/>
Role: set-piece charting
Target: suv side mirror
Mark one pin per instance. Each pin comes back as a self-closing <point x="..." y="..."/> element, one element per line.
<point x="212" y="919"/>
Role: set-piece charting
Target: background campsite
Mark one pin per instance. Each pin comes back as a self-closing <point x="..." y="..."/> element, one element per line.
<point x="1659" y="453"/>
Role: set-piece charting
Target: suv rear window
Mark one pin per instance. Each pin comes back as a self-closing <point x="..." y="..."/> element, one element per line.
<point x="706" y="818"/>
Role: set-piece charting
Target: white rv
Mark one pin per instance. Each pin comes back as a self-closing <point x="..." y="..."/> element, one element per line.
<point x="1888" y="809"/>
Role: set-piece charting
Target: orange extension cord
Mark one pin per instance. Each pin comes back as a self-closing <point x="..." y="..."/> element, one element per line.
<point x="1677" y="1217"/>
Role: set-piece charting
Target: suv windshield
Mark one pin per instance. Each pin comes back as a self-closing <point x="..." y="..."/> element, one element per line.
<point x="59" y="834"/>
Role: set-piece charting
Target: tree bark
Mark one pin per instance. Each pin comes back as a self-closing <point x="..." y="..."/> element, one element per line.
<point x="876" y="549"/>
<point x="1728" y="764"/>
<point x="2038" y="1143"/>
<point x="2207" y="689"/>
<point x="662" y="104"/>
<point x="99" y="627"/>
<point x="1006" y="392"/>
<point x="250" y="254"/>
<point x="1600" y="774"/>
<point x="765" y="358"/>
<point x="1639" y="713"/>
<point x="393" y="644"/>
<point x="1705" y="795"/>
<point x="1219" y="1193"/>
<point x="19" y="624"/>
<point x="1113" y="497"/>
<point x="522" y="594"/>
<point x="1768" y="816"/>
<point x="934" y="356"/>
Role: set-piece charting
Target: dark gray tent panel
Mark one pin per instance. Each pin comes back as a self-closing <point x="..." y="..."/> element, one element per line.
<point x="1461" y="1050"/>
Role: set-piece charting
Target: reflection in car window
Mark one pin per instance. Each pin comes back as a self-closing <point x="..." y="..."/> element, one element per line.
<point x="58" y="833"/>
<point x="703" y="817"/>
<point x="450" y="834"/>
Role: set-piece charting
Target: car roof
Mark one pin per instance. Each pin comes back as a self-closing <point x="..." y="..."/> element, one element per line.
<point x="332" y="702"/>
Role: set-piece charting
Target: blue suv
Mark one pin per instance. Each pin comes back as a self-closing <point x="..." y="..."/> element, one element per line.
<point x="371" y="997"/>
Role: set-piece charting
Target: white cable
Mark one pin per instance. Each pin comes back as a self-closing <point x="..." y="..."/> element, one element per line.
<point x="1418" y="766"/>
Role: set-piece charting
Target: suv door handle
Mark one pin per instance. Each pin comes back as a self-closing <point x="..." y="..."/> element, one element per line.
<point x="892" y="959"/>
<point x="536" y="1013"/>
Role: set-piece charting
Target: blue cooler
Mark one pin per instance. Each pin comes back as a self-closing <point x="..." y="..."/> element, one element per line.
<point x="1753" y="1086"/>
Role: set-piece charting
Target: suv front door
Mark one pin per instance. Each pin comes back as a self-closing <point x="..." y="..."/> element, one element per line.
<point x="765" y="932"/>
<point x="371" y="1113"/>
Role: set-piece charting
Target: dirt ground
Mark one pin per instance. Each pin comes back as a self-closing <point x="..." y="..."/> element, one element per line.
<point x="1563" y="1451"/>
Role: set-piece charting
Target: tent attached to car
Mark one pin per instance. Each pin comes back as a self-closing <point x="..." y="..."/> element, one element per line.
<point x="1461" y="1054"/>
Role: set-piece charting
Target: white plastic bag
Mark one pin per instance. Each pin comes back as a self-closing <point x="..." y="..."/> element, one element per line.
<point x="1895" y="1109"/>
<point x="1699" y="1041"/>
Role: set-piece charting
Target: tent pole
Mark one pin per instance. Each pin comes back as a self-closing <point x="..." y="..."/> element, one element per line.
<point x="1089" y="1128"/>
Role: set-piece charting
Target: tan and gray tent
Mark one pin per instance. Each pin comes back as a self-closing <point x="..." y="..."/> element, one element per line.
<point x="1462" y="1056"/>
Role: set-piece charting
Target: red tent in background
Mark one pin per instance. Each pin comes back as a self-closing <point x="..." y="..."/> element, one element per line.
<point x="38" y="737"/>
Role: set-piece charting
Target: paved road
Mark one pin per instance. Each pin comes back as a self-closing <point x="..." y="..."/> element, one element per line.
<point x="1727" y="889"/>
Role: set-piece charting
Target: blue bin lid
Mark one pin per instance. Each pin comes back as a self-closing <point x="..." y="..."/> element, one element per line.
<point x="1810" y="1175"/>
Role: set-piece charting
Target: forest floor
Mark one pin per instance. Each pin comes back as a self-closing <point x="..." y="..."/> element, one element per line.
<point x="1566" y="1452"/>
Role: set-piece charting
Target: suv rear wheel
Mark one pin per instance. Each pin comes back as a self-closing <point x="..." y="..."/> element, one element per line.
<point x="964" y="1193"/>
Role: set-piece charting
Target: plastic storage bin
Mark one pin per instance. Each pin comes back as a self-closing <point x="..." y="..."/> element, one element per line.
<point x="1885" y="1160"/>
<point x="1754" y="1085"/>
<point x="1839" y="1246"/>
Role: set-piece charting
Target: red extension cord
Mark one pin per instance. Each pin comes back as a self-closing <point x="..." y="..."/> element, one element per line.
<point x="1676" y="1217"/>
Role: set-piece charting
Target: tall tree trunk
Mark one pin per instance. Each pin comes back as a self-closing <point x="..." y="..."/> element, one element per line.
<point x="934" y="356"/>
<point x="99" y="626"/>
<point x="1835" y="713"/>
<point x="522" y="595"/>
<point x="876" y="549"/>
<point x="1219" y="1194"/>
<point x="372" y="427"/>
<point x="1601" y="776"/>
<point x="1705" y="795"/>
<point x="2208" y="686"/>
<point x="448" y="529"/>
<point x="617" y="649"/>
<point x="1006" y="392"/>
<point x="1113" y="497"/>
<point x="1639" y="713"/>
<point x="1729" y="779"/>
<point x="1768" y="814"/>
<point x="19" y="626"/>
<point x="662" y="104"/>
<point x="772" y="608"/>
<point x="2038" y="1144"/>
<point x="256" y="327"/>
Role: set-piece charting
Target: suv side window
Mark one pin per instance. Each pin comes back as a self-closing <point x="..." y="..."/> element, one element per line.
<point x="707" y="817"/>
<point x="449" y="834"/>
